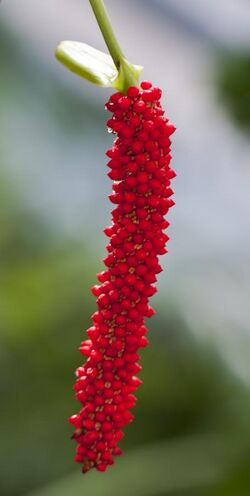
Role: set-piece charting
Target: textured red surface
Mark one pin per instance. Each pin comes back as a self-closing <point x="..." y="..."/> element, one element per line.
<point x="139" y="166"/>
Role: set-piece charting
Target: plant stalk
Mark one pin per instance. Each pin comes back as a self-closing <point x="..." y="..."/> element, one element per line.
<point x="105" y="26"/>
<point x="128" y="73"/>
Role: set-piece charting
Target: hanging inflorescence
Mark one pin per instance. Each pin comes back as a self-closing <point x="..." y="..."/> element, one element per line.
<point x="139" y="163"/>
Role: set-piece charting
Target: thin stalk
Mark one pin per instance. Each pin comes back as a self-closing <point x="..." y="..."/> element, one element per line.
<point x="105" y="26"/>
<point x="128" y="73"/>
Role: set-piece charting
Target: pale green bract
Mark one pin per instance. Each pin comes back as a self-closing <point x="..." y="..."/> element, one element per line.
<point x="89" y="63"/>
<point x="95" y="66"/>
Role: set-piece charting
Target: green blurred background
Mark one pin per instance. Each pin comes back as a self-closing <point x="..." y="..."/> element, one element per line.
<point x="191" y="435"/>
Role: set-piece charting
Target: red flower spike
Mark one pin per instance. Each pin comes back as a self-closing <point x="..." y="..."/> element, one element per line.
<point x="139" y="166"/>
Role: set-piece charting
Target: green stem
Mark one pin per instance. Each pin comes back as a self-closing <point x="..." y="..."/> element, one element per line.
<point x="105" y="26"/>
<point x="128" y="73"/>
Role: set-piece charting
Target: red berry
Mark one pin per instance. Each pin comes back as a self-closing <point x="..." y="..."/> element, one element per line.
<point x="133" y="91"/>
<point x="124" y="102"/>
<point x="102" y="467"/>
<point x="146" y="85"/>
<point x="139" y="106"/>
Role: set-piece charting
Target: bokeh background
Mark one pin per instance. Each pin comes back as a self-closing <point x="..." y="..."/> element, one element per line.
<point x="191" y="435"/>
